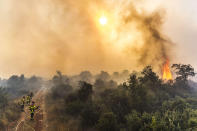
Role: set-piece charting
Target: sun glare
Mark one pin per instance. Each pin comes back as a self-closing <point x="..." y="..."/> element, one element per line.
<point x="103" y="20"/>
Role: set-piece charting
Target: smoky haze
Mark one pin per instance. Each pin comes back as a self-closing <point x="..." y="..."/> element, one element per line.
<point x="40" y="37"/>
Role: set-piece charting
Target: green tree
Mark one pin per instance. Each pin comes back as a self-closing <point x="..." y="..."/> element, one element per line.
<point x="74" y="108"/>
<point x="183" y="72"/>
<point x="107" y="122"/>
<point x="89" y="115"/>
<point x="85" y="91"/>
<point x="133" y="81"/>
<point x="3" y="99"/>
<point x="134" y="121"/>
<point x="149" y="77"/>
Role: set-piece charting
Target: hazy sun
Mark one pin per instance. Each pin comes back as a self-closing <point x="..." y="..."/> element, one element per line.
<point x="103" y="20"/>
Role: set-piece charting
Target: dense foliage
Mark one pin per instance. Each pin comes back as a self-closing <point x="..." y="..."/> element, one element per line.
<point x="143" y="103"/>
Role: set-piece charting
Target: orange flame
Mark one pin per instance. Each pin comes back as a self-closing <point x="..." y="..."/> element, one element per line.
<point x="167" y="75"/>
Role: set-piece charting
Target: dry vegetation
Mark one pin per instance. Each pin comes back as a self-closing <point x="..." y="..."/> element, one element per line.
<point x="10" y="93"/>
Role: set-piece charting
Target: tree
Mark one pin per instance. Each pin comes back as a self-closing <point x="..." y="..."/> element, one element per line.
<point x="85" y="76"/>
<point x="118" y="102"/>
<point x="3" y="99"/>
<point x="149" y="76"/>
<point x="134" y="122"/>
<point x="85" y="91"/>
<point x="16" y="81"/>
<point x="99" y="84"/>
<point x="60" y="79"/>
<point x="133" y="81"/>
<point x="61" y="90"/>
<point x="103" y="76"/>
<point x="111" y="84"/>
<point x="90" y="115"/>
<point x="107" y="122"/>
<point x="183" y="72"/>
<point x="74" y="108"/>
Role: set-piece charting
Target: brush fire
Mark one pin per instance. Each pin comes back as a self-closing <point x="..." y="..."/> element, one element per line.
<point x="167" y="74"/>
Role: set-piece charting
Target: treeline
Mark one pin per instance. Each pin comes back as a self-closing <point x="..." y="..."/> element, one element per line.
<point x="87" y="76"/>
<point x="143" y="103"/>
<point x="11" y="90"/>
<point x="20" y="85"/>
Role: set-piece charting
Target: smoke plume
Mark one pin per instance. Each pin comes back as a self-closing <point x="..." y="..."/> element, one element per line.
<point x="40" y="37"/>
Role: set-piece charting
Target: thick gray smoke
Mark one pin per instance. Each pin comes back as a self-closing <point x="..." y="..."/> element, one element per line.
<point x="155" y="47"/>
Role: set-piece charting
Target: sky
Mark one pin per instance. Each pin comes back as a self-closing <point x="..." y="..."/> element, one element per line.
<point x="181" y="27"/>
<point x="38" y="38"/>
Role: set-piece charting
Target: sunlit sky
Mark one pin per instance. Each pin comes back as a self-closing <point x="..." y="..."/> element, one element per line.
<point x="49" y="35"/>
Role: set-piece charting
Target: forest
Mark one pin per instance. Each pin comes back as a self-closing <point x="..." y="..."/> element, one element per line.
<point x="142" y="102"/>
<point x="98" y="65"/>
<point x="137" y="101"/>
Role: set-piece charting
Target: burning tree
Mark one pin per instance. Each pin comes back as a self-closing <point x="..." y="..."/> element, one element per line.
<point x="167" y="75"/>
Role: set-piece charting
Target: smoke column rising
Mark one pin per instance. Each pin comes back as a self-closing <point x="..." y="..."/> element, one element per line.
<point x="40" y="37"/>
